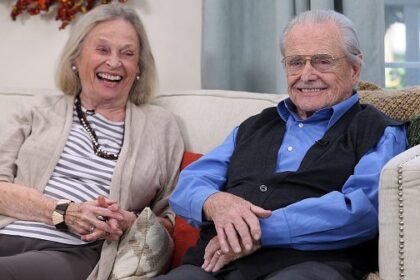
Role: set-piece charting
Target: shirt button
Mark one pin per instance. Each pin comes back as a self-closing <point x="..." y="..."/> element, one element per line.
<point x="290" y="148"/>
<point x="300" y="125"/>
<point x="263" y="188"/>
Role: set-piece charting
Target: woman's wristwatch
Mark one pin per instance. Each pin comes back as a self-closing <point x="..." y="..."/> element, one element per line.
<point x="59" y="213"/>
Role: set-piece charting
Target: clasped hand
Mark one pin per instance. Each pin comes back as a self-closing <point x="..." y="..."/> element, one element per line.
<point x="98" y="219"/>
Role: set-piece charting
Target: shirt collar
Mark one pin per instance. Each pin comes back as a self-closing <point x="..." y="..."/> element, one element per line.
<point x="287" y="109"/>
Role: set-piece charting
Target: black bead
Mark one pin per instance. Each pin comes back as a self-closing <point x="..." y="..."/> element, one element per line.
<point x="91" y="133"/>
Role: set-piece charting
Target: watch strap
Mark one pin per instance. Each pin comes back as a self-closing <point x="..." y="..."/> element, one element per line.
<point x="59" y="214"/>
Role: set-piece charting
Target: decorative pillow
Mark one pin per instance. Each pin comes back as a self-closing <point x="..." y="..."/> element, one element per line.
<point x="401" y="104"/>
<point x="365" y="85"/>
<point x="373" y="276"/>
<point x="184" y="234"/>
<point x="414" y="131"/>
<point x="144" y="251"/>
<point x="189" y="158"/>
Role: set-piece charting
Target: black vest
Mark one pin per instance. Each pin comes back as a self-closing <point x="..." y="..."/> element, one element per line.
<point x="325" y="168"/>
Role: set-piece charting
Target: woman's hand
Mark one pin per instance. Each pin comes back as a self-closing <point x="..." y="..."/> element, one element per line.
<point x="117" y="226"/>
<point x="90" y="219"/>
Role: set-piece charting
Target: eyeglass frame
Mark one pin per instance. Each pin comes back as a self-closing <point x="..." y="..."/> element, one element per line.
<point x="309" y="57"/>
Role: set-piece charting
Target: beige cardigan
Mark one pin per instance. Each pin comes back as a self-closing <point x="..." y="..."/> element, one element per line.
<point x="145" y="174"/>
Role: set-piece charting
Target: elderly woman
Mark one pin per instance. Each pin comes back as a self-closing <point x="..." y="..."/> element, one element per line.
<point x="60" y="157"/>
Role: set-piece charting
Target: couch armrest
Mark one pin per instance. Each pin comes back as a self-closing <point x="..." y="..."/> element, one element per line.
<point x="389" y="216"/>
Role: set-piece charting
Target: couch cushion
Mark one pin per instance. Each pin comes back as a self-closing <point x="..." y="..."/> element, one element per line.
<point x="206" y="117"/>
<point x="189" y="158"/>
<point x="184" y="236"/>
<point x="12" y="99"/>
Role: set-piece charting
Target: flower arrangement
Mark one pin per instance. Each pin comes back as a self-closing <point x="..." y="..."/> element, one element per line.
<point x="66" y="9"/>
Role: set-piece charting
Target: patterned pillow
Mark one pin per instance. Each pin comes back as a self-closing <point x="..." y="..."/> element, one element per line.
<point x="414" y="131"/>
<point x="145" y="251"/>
<point x="401" y="104"/>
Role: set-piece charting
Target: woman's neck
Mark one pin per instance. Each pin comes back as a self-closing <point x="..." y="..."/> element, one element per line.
<point x="110" y="109"/>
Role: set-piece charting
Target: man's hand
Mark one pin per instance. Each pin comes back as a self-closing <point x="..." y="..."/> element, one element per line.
<point x="234" y="217"/>
<point x="214" y="259"/>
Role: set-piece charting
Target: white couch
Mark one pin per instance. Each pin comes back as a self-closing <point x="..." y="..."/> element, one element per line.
<point x="400" y="183"/>
<point x="207" y="116"/>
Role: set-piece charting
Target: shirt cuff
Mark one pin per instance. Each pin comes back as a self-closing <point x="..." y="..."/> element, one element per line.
<point x="275" y="230"/>
<point x="198" y="203"/>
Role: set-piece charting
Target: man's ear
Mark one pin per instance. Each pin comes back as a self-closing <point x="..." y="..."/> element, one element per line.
<point x="356" y="70"/>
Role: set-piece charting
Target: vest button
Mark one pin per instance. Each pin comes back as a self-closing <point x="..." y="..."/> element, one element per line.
<point x="263" y="188"/>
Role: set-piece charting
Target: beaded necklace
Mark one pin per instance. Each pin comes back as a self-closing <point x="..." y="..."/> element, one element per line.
<point x="92" y="135"/>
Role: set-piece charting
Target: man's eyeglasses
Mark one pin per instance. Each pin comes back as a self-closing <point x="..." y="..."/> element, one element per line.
<point x="321" y="62"/>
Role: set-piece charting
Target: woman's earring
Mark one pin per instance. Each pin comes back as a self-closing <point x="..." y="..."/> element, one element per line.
<point x="138" y="77"/>
<point x="74" y="68"/>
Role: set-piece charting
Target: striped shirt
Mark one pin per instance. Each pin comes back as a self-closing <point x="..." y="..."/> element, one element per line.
<point x="79" y="175"/>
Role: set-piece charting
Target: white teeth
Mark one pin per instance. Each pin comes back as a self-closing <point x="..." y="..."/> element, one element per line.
<point x="310" y="89"/>
<point x="110" y="77"/>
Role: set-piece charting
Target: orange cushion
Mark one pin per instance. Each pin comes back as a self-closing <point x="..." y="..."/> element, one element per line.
<point x="184" y="234"/>
<point x="189" y="158"/>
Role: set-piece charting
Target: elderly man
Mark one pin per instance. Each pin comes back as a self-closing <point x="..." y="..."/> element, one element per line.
<point x="292" y="193"/>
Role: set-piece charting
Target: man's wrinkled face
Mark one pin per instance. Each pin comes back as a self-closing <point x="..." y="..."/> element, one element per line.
<point x="319" y="75"/>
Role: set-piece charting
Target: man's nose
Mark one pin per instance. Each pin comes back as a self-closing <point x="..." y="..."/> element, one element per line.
<point x="308" y="72"/>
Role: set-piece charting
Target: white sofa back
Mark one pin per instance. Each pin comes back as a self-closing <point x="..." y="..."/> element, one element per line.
<point x="206" y="117"/>
<point x="11" y="100"/>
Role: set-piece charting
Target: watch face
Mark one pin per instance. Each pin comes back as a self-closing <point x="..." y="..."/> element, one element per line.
<point x="57" y="218"/>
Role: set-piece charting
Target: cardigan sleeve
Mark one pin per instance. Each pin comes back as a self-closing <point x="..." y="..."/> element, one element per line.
<point x="14" y="131"/>
<point x="171" y="148"/>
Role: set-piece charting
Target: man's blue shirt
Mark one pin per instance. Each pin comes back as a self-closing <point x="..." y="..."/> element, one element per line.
<point x="332" y="221"/>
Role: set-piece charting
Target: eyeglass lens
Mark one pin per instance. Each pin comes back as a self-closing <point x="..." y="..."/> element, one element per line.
<point x="321" y="62"/>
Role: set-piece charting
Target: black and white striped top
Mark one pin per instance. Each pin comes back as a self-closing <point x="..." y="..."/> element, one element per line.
<point x="79" y="175"/>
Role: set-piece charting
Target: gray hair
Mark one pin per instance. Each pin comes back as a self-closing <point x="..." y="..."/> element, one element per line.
<point x="68" y="81"/>
<point x="350" y="42"/>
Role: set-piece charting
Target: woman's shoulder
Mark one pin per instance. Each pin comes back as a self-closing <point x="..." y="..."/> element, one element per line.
<point x="50" y="100"/>
<point x="45" y="103"/>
